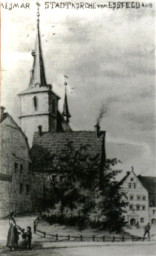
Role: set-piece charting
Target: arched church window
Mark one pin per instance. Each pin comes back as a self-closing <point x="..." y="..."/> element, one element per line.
<point x="35" y="102"/>
<point x="53" y="107"/>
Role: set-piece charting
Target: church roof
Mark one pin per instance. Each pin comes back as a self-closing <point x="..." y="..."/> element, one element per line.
<point x="50" y="143"/>
<point x="150" y="184"/>
<point x="65" y="111"/>
<point x="38" y="90"/>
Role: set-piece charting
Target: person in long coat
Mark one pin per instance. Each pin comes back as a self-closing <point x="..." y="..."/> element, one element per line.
<point x="13" y="234"/>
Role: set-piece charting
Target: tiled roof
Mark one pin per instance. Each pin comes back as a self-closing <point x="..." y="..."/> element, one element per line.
<point x="6" y="115"/>
<point x="50" y="143"/>
<point x="150" y="184"/>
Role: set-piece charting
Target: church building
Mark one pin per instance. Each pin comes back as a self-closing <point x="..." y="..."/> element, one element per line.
<point x="47" y="129"/>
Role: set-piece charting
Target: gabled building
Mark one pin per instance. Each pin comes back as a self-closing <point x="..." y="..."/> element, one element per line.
<point x="137" y="210"/>
<point x="15" y="177"/>
<point x="141" y="198"/>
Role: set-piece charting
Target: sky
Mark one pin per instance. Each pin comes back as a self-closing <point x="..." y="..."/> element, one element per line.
<point x="109" y="57"/>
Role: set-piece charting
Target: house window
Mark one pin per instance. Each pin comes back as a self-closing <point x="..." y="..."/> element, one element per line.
<point x="131" y="207"/>
<point x="21" y="168"/>
<point x="131" y="197"/>
<point x="35" y="102"/>
<point x="27" y="189"/>
<point x="129" y="185"/>
<point x="137" y="207"/>
<point x="132" y="179"/>
<point x="138" y="197"/>
<point x="154" y="211"/>
<point x="143" y="207"/>
<point x="134" y="185"/>
<point x="15" y="167"/>
<point x="141" y="220"/>
<point x="21" y="188"/>
<point x="144" y="198"/>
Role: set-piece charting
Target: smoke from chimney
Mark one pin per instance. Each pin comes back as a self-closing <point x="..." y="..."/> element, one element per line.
<point x="102" y="111"/>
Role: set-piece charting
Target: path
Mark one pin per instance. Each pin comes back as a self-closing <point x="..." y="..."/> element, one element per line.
<point x="116" y="250"/>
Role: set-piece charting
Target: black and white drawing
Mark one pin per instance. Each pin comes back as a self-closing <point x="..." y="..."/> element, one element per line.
<point x="77" y="128"/>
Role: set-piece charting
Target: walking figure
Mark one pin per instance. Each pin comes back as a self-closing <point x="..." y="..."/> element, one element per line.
<point x="147" y="231"/>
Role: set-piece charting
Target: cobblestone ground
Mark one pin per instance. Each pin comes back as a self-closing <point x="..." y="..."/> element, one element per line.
<point x="125" y="250"/>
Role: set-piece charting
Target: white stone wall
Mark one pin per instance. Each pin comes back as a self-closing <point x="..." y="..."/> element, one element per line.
<point x="44" y="114"/>
<point x="30" y="125"/>
<point x="27" y="106"/>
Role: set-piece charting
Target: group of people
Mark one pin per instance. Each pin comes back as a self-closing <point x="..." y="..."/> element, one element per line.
<point x="14" y="233"/>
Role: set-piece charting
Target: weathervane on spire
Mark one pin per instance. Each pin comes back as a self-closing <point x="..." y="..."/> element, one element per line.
<point x="65" y="82"/>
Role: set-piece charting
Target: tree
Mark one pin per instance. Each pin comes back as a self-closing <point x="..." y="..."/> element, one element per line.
<point x="83" y="186"/>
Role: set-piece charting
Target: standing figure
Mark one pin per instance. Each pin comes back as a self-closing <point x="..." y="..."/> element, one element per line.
<point x="29" y="237"/>
<point x="12" y="238"/>
<point x="147" y="231"/>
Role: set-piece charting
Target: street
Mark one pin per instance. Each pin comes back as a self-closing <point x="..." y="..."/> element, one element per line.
<point x="124" y="250"/>
<point x="43" y="247"/>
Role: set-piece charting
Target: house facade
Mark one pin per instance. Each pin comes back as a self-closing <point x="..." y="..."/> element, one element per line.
<point x="15" y="177"/>
<point x="140" y="194"/>
<point x="137" y="210"/>
<point x="150" y="184"/>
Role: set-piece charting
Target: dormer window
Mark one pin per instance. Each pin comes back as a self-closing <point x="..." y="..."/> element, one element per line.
<point x="35" y="102"/>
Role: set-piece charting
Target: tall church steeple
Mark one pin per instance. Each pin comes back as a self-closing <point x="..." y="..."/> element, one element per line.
<point x="39" y="103"/>
<point x="65" y="111"/>
<point x="38" y="76"/>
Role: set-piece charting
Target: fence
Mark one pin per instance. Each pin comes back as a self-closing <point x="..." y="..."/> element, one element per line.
<point x="81" y="238"/>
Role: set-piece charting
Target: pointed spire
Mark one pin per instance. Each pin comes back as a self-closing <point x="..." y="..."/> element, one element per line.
<point x="38" y="70"/>
<point x="65" y="111"/>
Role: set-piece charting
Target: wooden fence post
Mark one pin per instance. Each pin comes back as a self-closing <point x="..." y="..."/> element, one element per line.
<point x="123" y="238"/>
<point x="35" y="227"/>
<point x="132" y="239"/>
<point x="103" y="238"/>
<point x="56" y="237"/>
<point x="93" y="238"/>
<point x="44" y="234"/>
<point x="68" y="237"/>
<point x="113" y="239"/>
<point x="81" y="238"/>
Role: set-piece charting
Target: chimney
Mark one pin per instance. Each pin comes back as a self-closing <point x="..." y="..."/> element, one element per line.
<point x="40" y="130"/>
<point x="98" y="132"/>
<point x="2" y="109"/>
